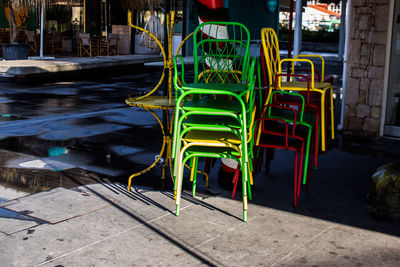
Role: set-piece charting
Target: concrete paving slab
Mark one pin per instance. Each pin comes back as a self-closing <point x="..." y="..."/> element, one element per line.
<point x="46" y="241"/>
<point x="139" y="205"/>
<point x="113" y="192"/>
<point x="9" y="202"/>
<point x="264" y="239"/>
<point x="7" y="193"/>
<point x="188" y="230"/>
<point x="287" y="226"/>
<point x="11" y="225"/>
<point x="151" y="205"/>
<point x="239" y="247"/>
<point x="346" y="246"/>
<point x="142" y="246"/>
<point x="118" y="193"/>
<point x="75" y="232"/>
<point x="55" y="207"/>
<point x="221" y="211"/>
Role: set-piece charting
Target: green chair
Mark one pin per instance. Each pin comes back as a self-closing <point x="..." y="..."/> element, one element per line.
<point x="219" y="99"/>
<point x="218" y="62"/>
<point x="221" y="141"/>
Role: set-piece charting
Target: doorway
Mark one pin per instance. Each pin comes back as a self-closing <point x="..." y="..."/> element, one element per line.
<point x="392" y="119"/>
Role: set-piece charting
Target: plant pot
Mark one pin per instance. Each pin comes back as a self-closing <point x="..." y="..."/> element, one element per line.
<point x="15" y="51"/>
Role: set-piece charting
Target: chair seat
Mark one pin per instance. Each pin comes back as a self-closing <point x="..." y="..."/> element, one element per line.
<point x="303" y="85"/>
<point x="212" y="105"/>
<point x="236" y="87"/>
<point x="308" y="118"/>
<point x="314" y="98"/>
<point x="212" y="137"/>
<point x="220" y="122"/>
<point x="216" y="152"/>
<point x="269" y="140"/>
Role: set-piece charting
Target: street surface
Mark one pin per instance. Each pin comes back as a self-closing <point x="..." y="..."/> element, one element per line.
<point x="77" y="125"/>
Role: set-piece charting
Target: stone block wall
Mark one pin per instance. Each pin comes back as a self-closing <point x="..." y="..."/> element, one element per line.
<point x="366" y="65"/>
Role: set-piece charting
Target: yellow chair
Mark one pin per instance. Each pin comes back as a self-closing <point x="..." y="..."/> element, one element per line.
<point x="270" y="46"/>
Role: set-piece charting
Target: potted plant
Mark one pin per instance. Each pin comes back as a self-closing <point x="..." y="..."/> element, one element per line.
<point x="13" y="50"/>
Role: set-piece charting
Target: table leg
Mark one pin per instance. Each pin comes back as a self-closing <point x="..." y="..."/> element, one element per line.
<point x="166" y="144"/>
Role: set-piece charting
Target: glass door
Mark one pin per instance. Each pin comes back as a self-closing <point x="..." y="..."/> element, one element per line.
<point x="392" y="120"/>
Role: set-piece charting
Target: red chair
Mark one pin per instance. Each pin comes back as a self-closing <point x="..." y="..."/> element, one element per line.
<point x="311" y="109"/>
<point x="274" y="132"/>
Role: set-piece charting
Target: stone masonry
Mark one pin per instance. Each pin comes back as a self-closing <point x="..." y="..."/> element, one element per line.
<point x="366" y="65"/>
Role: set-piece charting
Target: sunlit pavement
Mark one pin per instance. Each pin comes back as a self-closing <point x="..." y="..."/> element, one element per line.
<point x="81" y="139"/>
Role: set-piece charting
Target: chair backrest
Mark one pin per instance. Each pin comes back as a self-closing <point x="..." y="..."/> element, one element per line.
<point x="315" y="59"/>
<point x="113" y="39"/>
<point x="221" y="52"/>
<point x="84" y="37"/>
<point x="30" y="36"/>
<point x="270" y="47"/>
<point x="274" y="114"/>
<point x="292" y="61"/>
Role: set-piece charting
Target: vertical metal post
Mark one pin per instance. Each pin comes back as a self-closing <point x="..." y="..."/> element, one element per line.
<point x="345" y="60"/>
<point x="166" y="40"/>
<point x="166" y="81"/>
<point x="185" y="24"/>
<point x="290" y="29"/>
<point x="41" y="28"/>
<point x="297" y="30"/>
<point x="342" y="33"/>
<point x="289" y="55"/>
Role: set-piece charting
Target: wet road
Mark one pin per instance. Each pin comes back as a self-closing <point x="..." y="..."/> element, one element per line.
<point x="55" y="129"/>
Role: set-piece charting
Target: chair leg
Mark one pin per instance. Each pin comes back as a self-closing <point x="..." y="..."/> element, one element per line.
<point x="179" y="181"/>
<point x="244" y="188"/>
<point x="308" y="177"/>
<point x="323" y="123"/>
<point x="249" y="183"/>
<point x="207" y="165"/>
<point x="269" y="156"/>
<point x="235" y="181"/>
<point x="332" y="115"/>
<point x="316" y="139"/>
<point x="300" y="170"/>
<point x="258" y="159"/>
<point x="295" y="179"/>
<point x="193" y="175"/>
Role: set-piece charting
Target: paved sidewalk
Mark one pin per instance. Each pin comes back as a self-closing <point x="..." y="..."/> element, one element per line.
<point x="103" y="224"/>
<point x="16" y="68"/>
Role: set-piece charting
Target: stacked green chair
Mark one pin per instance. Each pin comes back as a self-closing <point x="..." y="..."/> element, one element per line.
<point x="214" y="112"/>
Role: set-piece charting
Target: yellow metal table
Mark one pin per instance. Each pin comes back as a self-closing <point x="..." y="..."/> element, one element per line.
<point x="165" y="104"/>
